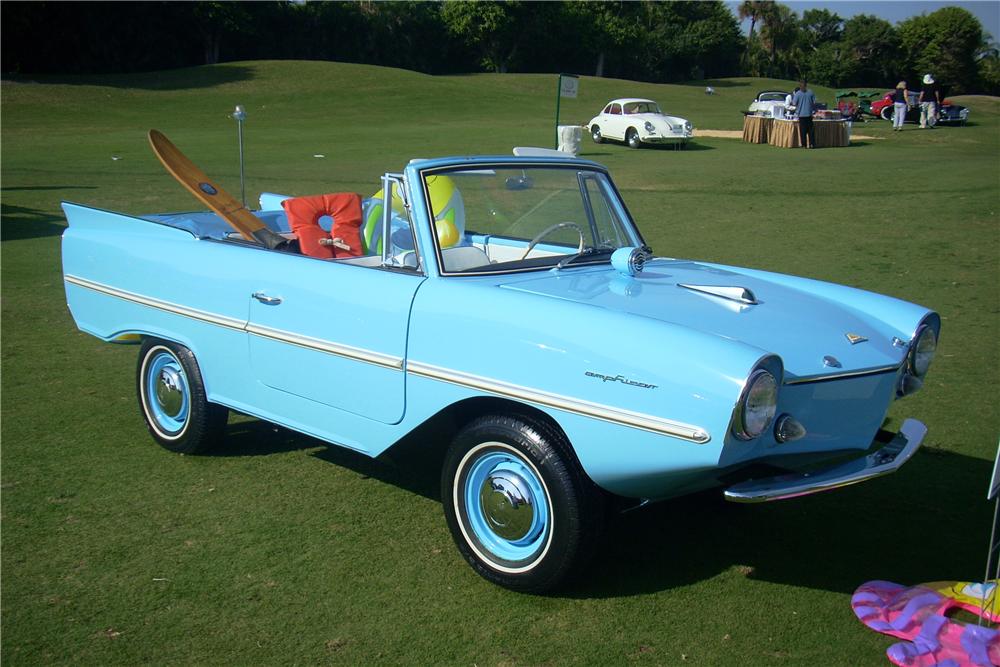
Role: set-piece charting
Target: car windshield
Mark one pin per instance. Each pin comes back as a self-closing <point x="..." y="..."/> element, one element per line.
<point x="772" y="97"/>
<point x="642" y="107"/>
<point x="505" y="218"/>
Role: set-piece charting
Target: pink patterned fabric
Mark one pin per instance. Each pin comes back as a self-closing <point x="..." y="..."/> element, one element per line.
<point x="918" y="614"/>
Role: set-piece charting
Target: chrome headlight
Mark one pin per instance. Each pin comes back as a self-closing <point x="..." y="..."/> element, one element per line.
<point x="922" y="351"/>
<point x="688" y="127"/>
<point x="757" y="405"/>
<point x="649" y="127"/>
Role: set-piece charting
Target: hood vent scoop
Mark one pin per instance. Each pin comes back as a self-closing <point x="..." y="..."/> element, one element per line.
<point x="738" y="294"/>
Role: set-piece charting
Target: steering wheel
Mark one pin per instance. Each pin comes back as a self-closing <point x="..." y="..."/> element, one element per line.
<point x="548" y="230"/>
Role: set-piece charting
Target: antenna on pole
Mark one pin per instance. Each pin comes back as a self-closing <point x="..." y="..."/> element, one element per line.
<point x="240" y="115"/>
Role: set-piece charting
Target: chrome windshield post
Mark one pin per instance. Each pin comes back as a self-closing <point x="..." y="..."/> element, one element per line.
<point x="391" y="183"/>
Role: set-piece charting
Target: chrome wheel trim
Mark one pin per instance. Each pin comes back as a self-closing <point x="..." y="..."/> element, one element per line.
<point x="165" y="393"/>
<point x="490" y="462"/>
<point x="507" y="504"/>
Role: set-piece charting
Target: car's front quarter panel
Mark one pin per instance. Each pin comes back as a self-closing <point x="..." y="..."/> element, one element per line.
<point x="645" y="404"/>
<point x="666" y="129"/>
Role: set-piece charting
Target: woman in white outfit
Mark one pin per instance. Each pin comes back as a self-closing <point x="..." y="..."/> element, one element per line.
<point x="900" y="104"/>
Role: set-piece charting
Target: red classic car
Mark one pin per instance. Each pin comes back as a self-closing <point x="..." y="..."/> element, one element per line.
<point x="949" y="112"/>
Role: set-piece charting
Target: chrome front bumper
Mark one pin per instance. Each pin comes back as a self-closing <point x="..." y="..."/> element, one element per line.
<point x="665" y="139"/>
<point x="882" y="462"/>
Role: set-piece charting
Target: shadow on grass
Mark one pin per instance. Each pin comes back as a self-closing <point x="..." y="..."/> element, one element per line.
<point x="207" y="76"/>
<point x="19" y="222"/>
<point x="692" y="146"/>
<point x="713" y="83"/>
<point x="413" y="464"/>
<point x="928" y="522"/>
<point x="43" y="188"/>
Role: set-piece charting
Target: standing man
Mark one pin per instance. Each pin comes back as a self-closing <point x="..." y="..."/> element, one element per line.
<point x="804" y="102"/>
<point x="930" y="102"/>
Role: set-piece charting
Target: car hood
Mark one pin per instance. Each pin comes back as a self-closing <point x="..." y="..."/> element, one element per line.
<point x="812" y="334"/>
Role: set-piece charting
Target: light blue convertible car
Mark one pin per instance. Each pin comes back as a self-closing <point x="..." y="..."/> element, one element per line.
<point x="514" y="298"/>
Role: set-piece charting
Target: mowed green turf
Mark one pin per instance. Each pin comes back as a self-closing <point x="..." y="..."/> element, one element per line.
<point x="281" y="550"/>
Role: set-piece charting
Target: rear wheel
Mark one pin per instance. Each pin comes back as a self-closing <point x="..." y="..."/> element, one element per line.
<point x="887" y="112"/>
<point x="173" y="401"/>
<point x="595" y="134"/>
<point x="632" y="138"/>
<point x="519" y="508"/>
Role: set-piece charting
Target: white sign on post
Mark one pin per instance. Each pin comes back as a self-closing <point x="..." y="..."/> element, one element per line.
<point x="568" y="85"/>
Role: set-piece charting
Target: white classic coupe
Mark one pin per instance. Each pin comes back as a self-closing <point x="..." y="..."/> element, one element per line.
<point x="766" y="101"/>
<point x="638" y="121"/>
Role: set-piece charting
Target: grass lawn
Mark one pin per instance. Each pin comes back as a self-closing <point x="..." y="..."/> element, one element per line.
<point x="282" y="550"/>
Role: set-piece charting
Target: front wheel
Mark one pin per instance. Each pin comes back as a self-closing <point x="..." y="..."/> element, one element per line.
<point x="632" y="138"/>
<point x="595" y="134"/>
<point x="519" y="508"/>
<point x="173" y="400"/>
<point x="887" y="112"/>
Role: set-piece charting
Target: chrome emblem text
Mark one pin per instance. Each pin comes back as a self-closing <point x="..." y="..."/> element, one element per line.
<point x="620" y="378"/>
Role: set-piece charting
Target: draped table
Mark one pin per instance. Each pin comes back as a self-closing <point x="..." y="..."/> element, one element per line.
<point x="828" y="133"/>
<point x="755" y="129"/>
<point x="785" y="133"/>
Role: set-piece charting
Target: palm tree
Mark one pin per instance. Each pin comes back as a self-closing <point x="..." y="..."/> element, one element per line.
<point x="778" y="31"/>
<point x="751" y="9"/>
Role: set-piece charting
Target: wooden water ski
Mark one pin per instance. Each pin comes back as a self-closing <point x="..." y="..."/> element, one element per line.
<point x="211" y="194"/>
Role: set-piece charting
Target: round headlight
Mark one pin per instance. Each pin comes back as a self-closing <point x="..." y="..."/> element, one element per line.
<point x="688" y="126"/>
<point x="649" y="127"/>
<point x="922" y="351"/>
<point x="757" y="405"/>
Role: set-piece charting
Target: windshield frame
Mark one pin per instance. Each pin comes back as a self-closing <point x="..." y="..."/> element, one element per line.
<point x="583" y="169"/>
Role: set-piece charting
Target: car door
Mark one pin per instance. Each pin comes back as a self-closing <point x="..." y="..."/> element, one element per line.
<point x="332" y="332"/>
<point x="615" y="122"/>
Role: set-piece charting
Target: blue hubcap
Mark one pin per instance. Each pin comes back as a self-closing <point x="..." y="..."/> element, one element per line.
<point x="506" y="507"/>
<point x="167" y="393"/>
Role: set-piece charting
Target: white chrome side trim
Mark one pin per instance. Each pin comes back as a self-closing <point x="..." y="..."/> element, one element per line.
<point x="576" y="406"/>
<point x="320" y="345"/>
<point x="166" y="306"/>
<point x="606" y="413"/>
<point x="340" y="350"/>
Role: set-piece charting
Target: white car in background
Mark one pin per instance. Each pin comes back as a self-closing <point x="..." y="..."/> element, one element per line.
<point x="767" y="100"/>
<point x="639" y="121"/>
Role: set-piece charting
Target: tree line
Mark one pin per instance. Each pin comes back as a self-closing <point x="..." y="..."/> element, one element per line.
<point x="648" y="41"/>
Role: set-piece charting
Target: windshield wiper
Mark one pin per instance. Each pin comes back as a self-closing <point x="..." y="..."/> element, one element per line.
<point x="586" y="252"/>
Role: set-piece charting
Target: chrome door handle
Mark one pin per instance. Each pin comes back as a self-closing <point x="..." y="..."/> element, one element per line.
<point x="269" y="300"/>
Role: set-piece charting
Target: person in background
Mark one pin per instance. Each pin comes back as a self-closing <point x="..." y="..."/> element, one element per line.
<point x="804" y="102"/>
<point x="900" y="105"/>
<point x="930" y="102"/>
